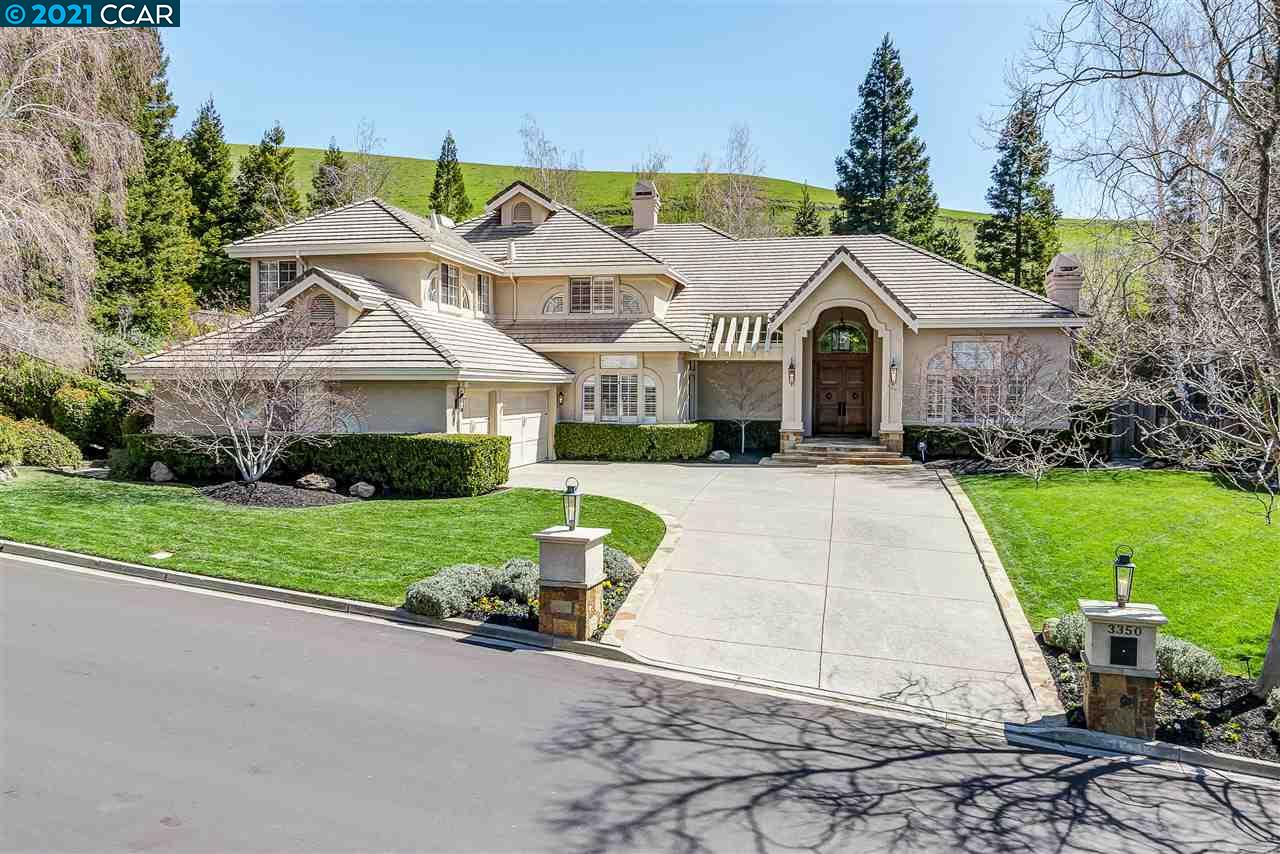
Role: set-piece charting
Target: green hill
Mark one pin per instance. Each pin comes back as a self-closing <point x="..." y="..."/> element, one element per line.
<point x="605" y="195"/>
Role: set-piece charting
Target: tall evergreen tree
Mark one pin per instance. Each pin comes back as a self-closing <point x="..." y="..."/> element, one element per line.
<point x="883" y="177"/>
<point x="330" y="181"/>
<point x="806" y="222"/>
<point x="266" y="196"/>
<point x="144" y="263"/>
<point x="211" y="192"/>
<point x="449" y="193"/>
<point x="1018" y="242"/>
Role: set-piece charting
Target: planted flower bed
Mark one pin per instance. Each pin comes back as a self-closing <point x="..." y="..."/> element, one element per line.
<point x="1197" y="704"/>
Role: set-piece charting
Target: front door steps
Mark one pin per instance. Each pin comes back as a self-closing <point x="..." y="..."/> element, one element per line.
<point x="837" y="451"/>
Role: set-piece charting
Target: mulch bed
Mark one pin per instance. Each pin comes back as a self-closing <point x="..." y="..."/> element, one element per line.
<point x="263" y="494"/>
<point x="1226" y="718"/>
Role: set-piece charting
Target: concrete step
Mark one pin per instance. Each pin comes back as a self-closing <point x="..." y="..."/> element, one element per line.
<point x="791" y="458"/>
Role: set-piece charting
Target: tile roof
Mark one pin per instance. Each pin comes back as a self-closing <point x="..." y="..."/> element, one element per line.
<point x="543" y="334"/>
<point x="368" y="292"/>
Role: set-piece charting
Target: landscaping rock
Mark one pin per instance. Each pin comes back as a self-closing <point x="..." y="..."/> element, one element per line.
<point x="7" y="473"/>
<point x="161" y="473"/>
<point x="316" y="481"/>
<point x="362" y="489"/>
<point x="719" y="456"/>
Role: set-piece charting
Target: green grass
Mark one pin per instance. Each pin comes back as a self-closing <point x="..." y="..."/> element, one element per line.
<point x="1204" y="553"/>
<point x="370" y="550"/>
<point x="606" y="195"/>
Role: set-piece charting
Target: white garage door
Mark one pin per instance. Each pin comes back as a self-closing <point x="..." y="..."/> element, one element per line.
<point x="475" y="413"/>
<point x="524" y="419"/>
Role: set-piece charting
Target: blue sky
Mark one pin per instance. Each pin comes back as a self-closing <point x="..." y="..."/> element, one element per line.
<point x="607" y="78"/>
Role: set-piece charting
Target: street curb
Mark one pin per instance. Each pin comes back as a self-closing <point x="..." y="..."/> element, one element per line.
<point x="1030" y="659"/>
<point x="315" y="600"/>
<point x="1136" y="747"/>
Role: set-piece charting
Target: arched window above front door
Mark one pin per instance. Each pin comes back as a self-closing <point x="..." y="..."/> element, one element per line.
<point x="843" y="336"/>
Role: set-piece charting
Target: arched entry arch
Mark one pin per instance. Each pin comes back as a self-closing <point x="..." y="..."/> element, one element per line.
<point x="843" y="365"/>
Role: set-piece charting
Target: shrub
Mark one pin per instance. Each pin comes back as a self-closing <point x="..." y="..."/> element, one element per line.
<point x="10" y="443"/>
<point x="516" y="581"/>
<point x="1068" y="634"/>
<point x="1273" y="701"/>
<point x="1184" y="662"/>
<point x="450" y="591"/>
<point x="44" y="446"/>
<point x="618" y="567"/>
<point x="762" y="436"/>
<point x="433" y="465"/>
<point x="29" y="386"/>
<point x="73" y="413"/>
<point x="136" y="420"/>
<point x="577" y="440"/>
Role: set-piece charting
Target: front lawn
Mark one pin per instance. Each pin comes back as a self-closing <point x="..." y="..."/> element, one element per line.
<point x="369" y="550"/>
<point x="1204" y="553"/>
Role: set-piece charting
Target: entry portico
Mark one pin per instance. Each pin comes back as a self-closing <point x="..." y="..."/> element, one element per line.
<point x="841" y="294"/>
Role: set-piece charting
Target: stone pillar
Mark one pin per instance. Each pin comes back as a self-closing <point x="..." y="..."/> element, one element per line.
<point x="892" y="439"/>
<point x="1121" y="673"/>
<point x="571" y="588"/>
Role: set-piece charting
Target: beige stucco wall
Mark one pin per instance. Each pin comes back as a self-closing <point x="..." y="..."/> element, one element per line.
<point x="670" y="370"/>
<point x="403" y="275"/>
<point x="397" y="406"/>
<point x="714" y="376"/>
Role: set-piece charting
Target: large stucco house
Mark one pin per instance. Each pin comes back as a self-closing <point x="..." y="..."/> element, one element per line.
<point x="535" y="313"/>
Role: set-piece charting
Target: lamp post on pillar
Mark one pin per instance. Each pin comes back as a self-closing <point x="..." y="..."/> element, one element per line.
<point x="571" y="570"/>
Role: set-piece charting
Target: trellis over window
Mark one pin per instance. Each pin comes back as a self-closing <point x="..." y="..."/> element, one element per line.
<point x="272" y="277"/>
<point x="844" y="336"/>
<point x="963" y="381"/>
<point x="623" y="396"/>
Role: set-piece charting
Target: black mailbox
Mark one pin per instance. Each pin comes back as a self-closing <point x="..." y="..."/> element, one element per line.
<point x="1124" y="652"/>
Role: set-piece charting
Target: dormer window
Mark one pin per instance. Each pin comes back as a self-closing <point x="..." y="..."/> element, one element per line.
<point x="449" y="294"/>
<point x="521" y="213"/>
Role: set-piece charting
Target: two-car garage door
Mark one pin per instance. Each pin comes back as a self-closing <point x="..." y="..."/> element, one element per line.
<point x="525" y="420"/>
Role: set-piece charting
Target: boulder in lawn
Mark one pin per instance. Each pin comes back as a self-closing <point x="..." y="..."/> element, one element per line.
<point x="719" y="456"/>
<point x="161" y="473"/>
<point x="363" y="489"/>
<point x="317" y="482"/>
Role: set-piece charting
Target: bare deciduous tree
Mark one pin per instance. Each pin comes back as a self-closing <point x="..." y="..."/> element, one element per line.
<point x="252" y="390"/>
<point x="750" y="391"/>
<point x="547" y="167"/>
<point x="1174" y="109"/>
<point x="68" y="97"/>
<point x="370" y="169"/>
<point x="733" y="199"/>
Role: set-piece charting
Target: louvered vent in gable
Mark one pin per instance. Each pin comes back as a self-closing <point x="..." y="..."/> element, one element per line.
<point x="323" y="313"/>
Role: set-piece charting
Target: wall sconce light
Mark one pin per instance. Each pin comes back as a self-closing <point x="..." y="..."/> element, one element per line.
<point x="560" y="398"/>
<point x="893" y="372"/>
<point x="791" y="372"/>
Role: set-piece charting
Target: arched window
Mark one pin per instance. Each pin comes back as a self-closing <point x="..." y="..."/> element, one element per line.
<point x="632" y="302"/>
<point x="650" y="402"/>
<point x="935" y="386"/>
<point x="521" y="213"/>
<point x="843" y="337"/>
<point x="554" y="304"/>
<point x="322" y="314"/>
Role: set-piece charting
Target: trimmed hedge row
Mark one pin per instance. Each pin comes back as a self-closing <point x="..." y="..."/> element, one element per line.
<point x="762" y="436"/>
<point x="432" y="465"/>
<point x="633" y="442"/>
<point x="88" y="410"/>
<point x="953" y="442"/>
<point x="30" y="443"/>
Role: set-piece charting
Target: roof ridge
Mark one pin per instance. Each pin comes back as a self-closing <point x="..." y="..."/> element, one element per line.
<point x="301" y="220"/>
<point x="424" y="334"/>
<point x="967" y="269"/>
<point x="400" y="215"/>
<point x="523" y="183"/>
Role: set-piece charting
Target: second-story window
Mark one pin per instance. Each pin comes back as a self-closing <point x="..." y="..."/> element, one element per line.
<point x="579" y="296"/>
<point x="482" y="292"/>
<point x="602" y="295"/>
<point x="273" y="276"/>
<point x="449" y="294"/>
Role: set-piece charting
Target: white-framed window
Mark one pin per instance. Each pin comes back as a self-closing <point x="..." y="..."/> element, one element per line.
<point x="936" y="389"/>
<point x="521" y="213"/>
<point x="589" y="399"/>
<point x="449" y="291"/>
<point x="631" y="301"/>
<point x="579" y="296"/>
<point x="650" y="402"/>
<point x="629" y="385"/>
<point x="623" y="397"/>
<point x="962" y="382"/>
<point x="273" y="277"/>
<point x="592" y="296"/>
<point x="608" y="397"/>
<point x="483" y="295"/>
<point x="602" y="288"/>
<point x="554" y="304"/>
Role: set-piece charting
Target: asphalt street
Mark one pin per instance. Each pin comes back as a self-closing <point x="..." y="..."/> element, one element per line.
<point x="140" y="716"/>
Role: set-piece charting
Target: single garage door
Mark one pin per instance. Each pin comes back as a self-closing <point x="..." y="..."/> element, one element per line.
<point x="524" y="419"/>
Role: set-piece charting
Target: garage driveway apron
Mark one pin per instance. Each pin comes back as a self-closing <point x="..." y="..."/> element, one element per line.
<point x="862" y="582"/>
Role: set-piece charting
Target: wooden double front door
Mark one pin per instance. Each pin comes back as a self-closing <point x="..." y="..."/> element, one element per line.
<point x="842" y="393"/>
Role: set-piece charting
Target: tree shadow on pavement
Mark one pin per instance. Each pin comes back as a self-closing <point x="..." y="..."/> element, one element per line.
<point x="692" y="768"/>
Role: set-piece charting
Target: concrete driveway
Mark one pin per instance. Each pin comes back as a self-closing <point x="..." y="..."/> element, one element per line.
<point x="862" y="582"/>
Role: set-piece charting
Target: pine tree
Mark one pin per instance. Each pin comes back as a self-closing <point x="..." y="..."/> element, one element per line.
<point x="1020" y="239"/>
<point x="330" y="183"/>
<point x="145" y="262"/>
<point x="449" y="193"/>
<point x="214" y="200"/>
<point x="266" y="196"/>
<point x="884" y="183"/>
<point x="946" y="241"/>
<point x="806" y="222"/>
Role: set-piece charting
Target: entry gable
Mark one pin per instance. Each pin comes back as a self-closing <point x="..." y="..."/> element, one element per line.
<point x="842" y="257"/>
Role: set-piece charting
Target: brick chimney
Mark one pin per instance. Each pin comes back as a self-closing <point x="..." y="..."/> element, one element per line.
<point x="644" y="206"/>
<point x="1063" y="281"/>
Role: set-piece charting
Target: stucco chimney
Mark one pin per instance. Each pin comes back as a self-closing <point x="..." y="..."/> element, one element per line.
<point x="644" y="206"/>
<point x="1063" y="281"/>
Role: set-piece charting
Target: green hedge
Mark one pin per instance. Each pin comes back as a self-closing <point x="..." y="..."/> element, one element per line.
<point x="633" y="442"/>
<point x="89" y="410"/>
<point x="434" y="465"/>
<point x="762" y="436"/>
<point x="953" y="442"/>
<point x="37" y="445"/>
<point x="10" y="443"/>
